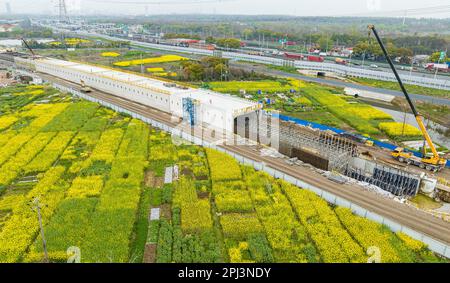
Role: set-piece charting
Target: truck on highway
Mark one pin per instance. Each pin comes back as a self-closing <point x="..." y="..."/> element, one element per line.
<point x="293" y="56"/>
<point x="439" y="67"/>
<point x="315" y="58"/>
<point x="340" y="61"/>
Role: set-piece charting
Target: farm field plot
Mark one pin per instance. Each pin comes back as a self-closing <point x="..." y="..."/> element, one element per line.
<point x="314" y="103"/>
<point x="123" y="59"/>
<point x="267" y="86"/>
<point x="101" y="178"/>
<point x="152" y="60"/>
<point x="364" y="118"/>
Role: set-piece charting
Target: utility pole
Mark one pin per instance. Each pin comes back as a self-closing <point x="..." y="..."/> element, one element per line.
<point x="36" y="206"/>
<point x="363" y="59"/>
<point x="142" y="66"/>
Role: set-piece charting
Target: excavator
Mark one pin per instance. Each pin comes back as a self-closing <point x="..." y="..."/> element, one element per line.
<point x="431" y="163"/>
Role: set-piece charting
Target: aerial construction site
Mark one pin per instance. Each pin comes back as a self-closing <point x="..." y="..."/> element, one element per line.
<point x="146" y="139"/>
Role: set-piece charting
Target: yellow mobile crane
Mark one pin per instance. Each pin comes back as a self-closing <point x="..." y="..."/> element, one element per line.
<point x="433" y="163"/>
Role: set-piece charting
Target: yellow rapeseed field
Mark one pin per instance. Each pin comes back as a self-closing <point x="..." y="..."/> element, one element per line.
<point x="110" y="54"/>
<point x="153" y="60"/>
<point x="154" y="70"/>
<point x="395" y="129"/>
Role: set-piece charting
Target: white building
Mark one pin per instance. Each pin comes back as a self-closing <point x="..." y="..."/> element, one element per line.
<point x="211" y="108"/>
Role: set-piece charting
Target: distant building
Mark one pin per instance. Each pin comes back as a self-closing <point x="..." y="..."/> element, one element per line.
<point x="7" y="27"/>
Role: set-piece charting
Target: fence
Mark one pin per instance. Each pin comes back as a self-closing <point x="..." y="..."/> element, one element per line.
<point x="434" y="245"/>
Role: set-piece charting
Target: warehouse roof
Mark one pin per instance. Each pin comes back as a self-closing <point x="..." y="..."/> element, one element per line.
<point x="219" y="100"/>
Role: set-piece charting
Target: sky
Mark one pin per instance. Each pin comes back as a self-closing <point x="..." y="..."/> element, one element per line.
<point x="245" y="7"/>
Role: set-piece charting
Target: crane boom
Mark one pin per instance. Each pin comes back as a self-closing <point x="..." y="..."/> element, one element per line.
<point x="418" y="117"/>
<point x="28" y="46"/>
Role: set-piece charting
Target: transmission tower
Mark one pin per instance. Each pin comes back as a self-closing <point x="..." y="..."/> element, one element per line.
<point x="62" y="11"/>
<point x="8" y="8"/>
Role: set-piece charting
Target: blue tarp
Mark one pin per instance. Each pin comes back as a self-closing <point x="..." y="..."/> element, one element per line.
<point x="340" y="131"/>
<point x="308" y="123"/>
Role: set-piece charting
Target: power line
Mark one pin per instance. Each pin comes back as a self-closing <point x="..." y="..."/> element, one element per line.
<point x="404" y="12"/>
<point x="160" y="2"/>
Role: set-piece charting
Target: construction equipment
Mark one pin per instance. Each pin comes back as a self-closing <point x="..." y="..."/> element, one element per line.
<point x="84" y="87"/>
<point x="433" y="163"/>
<point x="28" y="46"/>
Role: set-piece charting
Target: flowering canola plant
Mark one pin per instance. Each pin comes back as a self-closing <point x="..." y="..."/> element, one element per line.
<point x="153" y="60"/>
<point x="395" y="129"/>
<point x="222" y="166"/>
<point x="110" y="54"/>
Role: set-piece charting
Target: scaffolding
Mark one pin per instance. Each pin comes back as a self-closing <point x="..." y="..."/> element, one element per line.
<point x="337" y="150"/>
<point x="190" y="110"/>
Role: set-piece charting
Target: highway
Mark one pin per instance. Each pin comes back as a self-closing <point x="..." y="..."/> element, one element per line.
<point x="400" y="213"/>
<point x="441" y="82"/>
<point x="266" y="70"/>
<point x="358" y="63"/>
